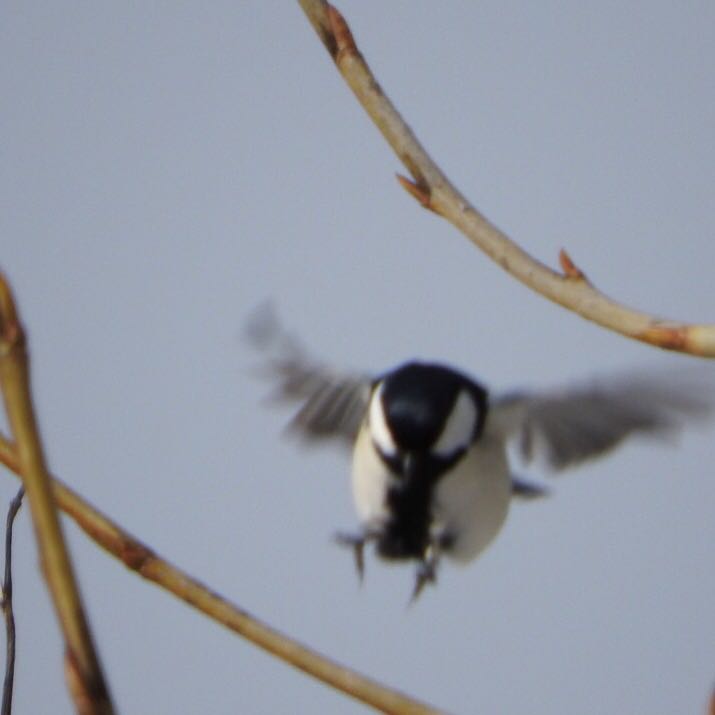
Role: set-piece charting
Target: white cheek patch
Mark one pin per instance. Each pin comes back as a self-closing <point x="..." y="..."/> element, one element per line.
<point x="379" y="431"/>
<point x="459" y="428"/>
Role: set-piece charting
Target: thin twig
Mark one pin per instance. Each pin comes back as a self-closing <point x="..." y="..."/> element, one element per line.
<point x="433" y="190"/>
<point x="81" y="659"/>
<point x="6" y="604"/>
<point x="140" y="558"/>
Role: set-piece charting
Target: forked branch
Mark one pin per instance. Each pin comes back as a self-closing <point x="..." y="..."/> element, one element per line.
<point x="434" y="191"/>
<point x="85" y="679"/>
<point x="140" y="558"/>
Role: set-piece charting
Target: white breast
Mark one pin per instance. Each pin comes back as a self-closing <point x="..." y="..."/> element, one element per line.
<point x="471" y="503"/>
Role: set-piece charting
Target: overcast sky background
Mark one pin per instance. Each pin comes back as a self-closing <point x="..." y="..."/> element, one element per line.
<point x="167" y="166"/>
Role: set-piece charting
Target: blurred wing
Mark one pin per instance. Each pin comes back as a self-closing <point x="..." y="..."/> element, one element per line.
<point x="331" y="404"/>
<point x="569" y="426"/>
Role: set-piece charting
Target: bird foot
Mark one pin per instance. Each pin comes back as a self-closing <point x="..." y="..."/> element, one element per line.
<point x="357" y="543"/>
<point x="426" y="572"/>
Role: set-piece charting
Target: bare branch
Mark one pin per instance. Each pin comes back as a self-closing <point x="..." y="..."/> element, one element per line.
<point x="140" y="558"/>
<point x="434" y="191"/>
<point x="54" y="558"/>
<point x="6" y="604"/>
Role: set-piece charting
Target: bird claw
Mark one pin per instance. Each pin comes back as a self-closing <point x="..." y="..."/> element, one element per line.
<point x="357" y="543"/>
<point x="426" y="569"/>
<point x="426" y="572"/>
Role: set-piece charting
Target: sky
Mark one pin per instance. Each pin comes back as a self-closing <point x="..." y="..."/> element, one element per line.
<point x="168" y="166"/>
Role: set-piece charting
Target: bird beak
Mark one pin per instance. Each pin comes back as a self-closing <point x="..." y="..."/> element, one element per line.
<point x="411" y="465"/>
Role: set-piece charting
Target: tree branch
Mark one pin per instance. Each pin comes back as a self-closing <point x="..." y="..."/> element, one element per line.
<point x="81" y="657"/>
<point x="433" y="190"/>
<point x="6" y="604"/>
<point x="140" y="558"/>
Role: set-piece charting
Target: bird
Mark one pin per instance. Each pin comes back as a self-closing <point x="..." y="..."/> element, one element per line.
<point x="432" y="448"/>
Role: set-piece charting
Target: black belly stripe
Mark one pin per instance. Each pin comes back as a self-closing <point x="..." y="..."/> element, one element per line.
<point x="407" y="531"/>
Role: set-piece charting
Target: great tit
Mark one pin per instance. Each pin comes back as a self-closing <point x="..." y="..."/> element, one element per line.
<point x="431" y="473"/>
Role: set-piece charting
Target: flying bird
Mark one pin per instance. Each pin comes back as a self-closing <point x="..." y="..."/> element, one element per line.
<point x="431" y="471"/>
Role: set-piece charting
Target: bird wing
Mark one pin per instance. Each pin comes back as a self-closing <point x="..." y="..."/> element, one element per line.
<point x="571" y="425"/>
<point x="331" y="404"/>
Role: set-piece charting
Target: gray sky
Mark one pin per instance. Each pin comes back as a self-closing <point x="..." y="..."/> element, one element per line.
<point x="167" y="166"/>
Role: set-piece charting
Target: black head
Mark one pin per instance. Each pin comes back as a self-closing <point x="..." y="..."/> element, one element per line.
<point x="426" y="408"/>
